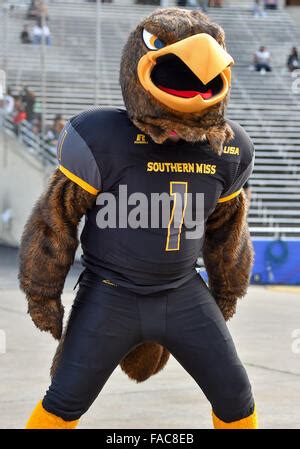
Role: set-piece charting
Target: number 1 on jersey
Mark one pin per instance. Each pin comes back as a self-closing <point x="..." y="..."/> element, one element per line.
<point x="178" y="190"/>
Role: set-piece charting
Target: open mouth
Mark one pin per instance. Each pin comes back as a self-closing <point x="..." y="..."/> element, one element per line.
<point x="173" y="76"/>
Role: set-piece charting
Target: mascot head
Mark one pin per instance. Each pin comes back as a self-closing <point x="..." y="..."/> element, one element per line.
<point x="175" y="77"/>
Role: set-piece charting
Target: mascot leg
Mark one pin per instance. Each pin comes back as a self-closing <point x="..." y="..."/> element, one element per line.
<point x="102" y="329"/>
<point x="41" y="419"/>
<point x="205" y="349"/>
<point x="250" y="422"/>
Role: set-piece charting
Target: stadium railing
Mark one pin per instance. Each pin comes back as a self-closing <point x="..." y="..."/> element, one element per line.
<point x="32" y="142"/>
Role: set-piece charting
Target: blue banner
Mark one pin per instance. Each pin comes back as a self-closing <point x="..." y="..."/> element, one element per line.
<point x="275" y="262"/>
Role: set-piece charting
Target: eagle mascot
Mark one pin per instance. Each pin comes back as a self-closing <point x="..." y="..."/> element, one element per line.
<point x="140" y="297"/>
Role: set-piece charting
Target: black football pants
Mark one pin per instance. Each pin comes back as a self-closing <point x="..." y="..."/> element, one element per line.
<point x="107" y="322"/>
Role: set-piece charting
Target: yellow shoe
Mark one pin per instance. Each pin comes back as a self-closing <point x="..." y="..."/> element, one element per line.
<point x="250" y="422"/>
<point x="41" y="419"/>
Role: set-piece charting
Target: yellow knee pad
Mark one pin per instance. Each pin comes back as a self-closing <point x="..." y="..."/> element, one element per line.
<point x="41" y="419"/>
<point x="250" y="422"/>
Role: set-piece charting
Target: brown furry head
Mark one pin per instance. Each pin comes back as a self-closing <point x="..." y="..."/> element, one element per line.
<point x="171" y="25"/>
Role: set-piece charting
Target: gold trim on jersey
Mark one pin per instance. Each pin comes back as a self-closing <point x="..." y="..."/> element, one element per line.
<point x="173" y="213"/>
<point x="61" y="144"/>
<point x="78" y="181"/>
<point x="229" y="197"/>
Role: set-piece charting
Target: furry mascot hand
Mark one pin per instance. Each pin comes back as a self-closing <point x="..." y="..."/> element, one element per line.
<point x="47" y="314"/>
<point x="228" y="253"/>
<point x="47" y="250"/>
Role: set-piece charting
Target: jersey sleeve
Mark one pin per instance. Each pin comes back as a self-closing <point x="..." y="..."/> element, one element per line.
<point x="244" y="168"/>
<point x="76" y="160"/>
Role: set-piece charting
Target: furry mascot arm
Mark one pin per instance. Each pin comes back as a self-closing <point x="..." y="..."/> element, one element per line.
<point x="228" y="253"/>
<point x="47" y="250"/>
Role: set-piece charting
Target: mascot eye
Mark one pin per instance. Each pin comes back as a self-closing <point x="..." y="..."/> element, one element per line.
<point x="152" y="41"/>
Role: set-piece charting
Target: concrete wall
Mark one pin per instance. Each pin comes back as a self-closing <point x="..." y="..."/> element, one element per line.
<point x="22" y="179"/>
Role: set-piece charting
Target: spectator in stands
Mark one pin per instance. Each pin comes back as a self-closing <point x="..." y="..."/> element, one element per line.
<point x="19" y="114"/>
<point x="37" y="107"/>
<point x="271" y="4"/>
<point x="36" y="125"/>
<point x="38" y="32"/>
<point x="28" y="98"/>
<point x="25" y="36"/>
<point x="258" y="10"/>
<point x="42" y="10"/>
<point x="293" y="62"/>
<point x="262" y="60"/>
<point x="8" y="102"/>
<point x="47" y="34"/>
<point x="53" y="133"/>
<point x="37" y="9"/>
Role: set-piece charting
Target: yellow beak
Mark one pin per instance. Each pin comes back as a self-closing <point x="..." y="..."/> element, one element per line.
<point x="204" y="57"/>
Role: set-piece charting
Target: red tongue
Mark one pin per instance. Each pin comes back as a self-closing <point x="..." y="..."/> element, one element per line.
<point x="187" y="93"/>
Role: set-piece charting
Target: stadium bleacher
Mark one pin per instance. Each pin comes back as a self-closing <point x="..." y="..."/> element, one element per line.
<point x="267" y="106"/>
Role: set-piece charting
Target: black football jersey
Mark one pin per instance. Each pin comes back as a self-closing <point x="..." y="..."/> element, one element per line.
<point x="131" y="237"/>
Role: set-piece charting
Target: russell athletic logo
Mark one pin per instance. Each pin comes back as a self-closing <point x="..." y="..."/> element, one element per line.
<point x="141" y="139"/>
